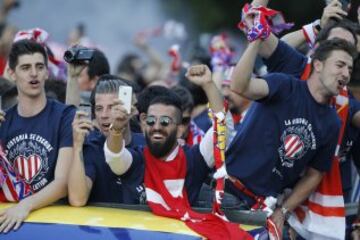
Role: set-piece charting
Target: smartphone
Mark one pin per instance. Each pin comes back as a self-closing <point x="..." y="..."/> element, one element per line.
<point x="85" y="107"/>
<point x="125" y="95"/>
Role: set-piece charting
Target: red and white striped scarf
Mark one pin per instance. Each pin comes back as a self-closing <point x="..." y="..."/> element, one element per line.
<point x="324" y="209"/>
<point x="195" y="134"/>
<point x="57" y="67"/>
<point x="13" y="188"/>
<point x="166" y="196"/>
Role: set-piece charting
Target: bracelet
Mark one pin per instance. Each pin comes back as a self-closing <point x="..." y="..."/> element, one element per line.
<point x="116" y="131"/>
<point x="285" y="212"/>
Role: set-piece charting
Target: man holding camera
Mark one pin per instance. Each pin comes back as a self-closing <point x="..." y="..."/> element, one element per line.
<point x="36" y="137"/>
<point x="84" y="69"/>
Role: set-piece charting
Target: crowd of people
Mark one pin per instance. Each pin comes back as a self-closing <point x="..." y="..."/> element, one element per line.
<point x="208" y="133"/>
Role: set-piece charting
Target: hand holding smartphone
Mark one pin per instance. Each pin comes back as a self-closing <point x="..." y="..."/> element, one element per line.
<point x="85" y="107"/>
<point x="125" y="95"/>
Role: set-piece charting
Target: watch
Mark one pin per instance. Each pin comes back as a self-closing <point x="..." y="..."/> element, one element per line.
<point x="286" y="213"/>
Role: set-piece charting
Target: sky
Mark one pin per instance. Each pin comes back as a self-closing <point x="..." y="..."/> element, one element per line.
<point x="111" y="24"/>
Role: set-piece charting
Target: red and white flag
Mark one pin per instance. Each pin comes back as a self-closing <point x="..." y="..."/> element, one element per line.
<point x="166" y="196"/>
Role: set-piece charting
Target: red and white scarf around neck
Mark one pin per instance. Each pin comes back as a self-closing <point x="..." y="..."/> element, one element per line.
<point x="167" y="197"/>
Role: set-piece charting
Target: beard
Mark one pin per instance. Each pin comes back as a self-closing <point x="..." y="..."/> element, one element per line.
<point x="161" y="149"/>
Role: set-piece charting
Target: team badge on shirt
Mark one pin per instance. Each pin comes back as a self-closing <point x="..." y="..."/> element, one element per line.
<point x="296" y="140"/>
<point x="28" y="167"/>
<point x="293" y="146"/>
<point x="28" y="154"/>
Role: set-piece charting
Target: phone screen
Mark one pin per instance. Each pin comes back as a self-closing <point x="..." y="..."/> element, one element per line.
<point x="85" y="108"/>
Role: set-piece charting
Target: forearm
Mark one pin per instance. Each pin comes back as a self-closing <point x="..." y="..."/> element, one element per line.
<point x="78" y="186"/>
<point x="72" y="91"/>
<point x="155" y="64"/>
<point x="54" y="191"/>
<point x="303" y="189"/>
<point x="4" y="11"/>
<point x="115" y="142"/>
<point x="154" y="56"/>
<point x="268" y="46"/>
<point x="294" y="39"/>
<point x="214" y="96"/>
<point x="217" y="77"/>
<point x="243" y="70"/>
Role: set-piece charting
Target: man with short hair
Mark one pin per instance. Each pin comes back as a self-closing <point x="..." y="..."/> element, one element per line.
<point x="284" y="141"/>
<point x="90" y="178"/>
<point x="162" y="129"/>
<point x="36" y="136"/>
<point x="172" y="174"/>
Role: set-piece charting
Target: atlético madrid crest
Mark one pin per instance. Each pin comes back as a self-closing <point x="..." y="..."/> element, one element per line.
<point x="295" y="142"/>
<point x="29" y="160"/>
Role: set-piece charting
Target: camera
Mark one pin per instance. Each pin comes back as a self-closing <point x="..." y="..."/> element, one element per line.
<point x="78" y="54"/>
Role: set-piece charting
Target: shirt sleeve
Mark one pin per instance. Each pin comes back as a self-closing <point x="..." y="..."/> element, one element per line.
<point x="66" y="138"/>
<point x="354" y="107"/>
<point x="90" y="154"/>
<point x="280" y="86"/>
<point x="197" y="171"/>
<point x="118" y="162"/>
<point x="286" y="59"/>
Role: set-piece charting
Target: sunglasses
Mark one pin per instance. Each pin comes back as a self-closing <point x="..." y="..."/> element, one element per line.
<point x="185" y="120"/>
<point x="163" y="120"/>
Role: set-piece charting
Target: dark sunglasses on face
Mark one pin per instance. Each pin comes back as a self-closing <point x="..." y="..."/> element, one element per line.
<point x="163" y="120"/>
<point x="185" y="120"/>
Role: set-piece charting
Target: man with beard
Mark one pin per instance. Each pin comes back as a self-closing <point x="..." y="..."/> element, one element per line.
<point x="163" y="127"/>
<point x="172" y="174"/>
